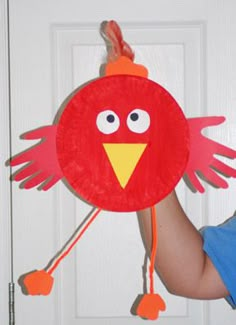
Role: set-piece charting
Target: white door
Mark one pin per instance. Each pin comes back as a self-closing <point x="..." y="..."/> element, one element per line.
<point x="189" y="47"/>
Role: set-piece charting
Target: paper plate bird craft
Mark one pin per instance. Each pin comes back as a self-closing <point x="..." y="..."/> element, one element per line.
<point x="121" y="143"/>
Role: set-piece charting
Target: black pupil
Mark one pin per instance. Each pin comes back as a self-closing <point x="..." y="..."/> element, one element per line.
<point x="110" y="118"/>
<point x="134" y="116"/>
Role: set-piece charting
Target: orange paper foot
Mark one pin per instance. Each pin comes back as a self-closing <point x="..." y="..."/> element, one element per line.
<point x="38" y="283"/>
<point x="149" y="306"/>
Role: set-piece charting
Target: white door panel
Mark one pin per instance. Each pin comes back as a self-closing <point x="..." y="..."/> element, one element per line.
<point x="188" y="47"/>
<point x="76" y="46"/>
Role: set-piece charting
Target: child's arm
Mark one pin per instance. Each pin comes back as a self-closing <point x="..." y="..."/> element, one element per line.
<point x="181" y="262"/>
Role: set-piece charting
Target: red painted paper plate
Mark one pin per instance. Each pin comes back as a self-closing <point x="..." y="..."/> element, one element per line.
<point x="122" y="143"/>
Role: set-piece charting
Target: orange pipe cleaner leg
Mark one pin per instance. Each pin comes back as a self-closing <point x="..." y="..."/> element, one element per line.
<point x="73" y="241"/>
<point x="40" y="282"/>
<point x="154" y="248"/>
<point x="150" y="304"/>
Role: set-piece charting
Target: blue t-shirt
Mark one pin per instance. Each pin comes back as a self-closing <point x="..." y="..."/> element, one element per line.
<point x="220" y="246"/>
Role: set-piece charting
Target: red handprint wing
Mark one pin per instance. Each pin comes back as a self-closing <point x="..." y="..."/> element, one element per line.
<point x="43" y="169"/>
<point x="202" y="155"/>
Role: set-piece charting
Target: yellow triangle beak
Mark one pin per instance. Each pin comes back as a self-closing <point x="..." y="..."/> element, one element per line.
<point x="124" y="158"/>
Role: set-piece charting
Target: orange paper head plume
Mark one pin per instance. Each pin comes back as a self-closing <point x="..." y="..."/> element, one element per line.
<point x="120" y="55"/>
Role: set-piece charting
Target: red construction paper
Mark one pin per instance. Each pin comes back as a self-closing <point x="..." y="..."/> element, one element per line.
<point x="203" y="153"/>
<point x="43" y="167"/>
<point x="80" y="140"/>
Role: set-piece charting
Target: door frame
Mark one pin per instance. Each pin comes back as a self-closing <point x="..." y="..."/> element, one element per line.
<point x="5" y="186"/>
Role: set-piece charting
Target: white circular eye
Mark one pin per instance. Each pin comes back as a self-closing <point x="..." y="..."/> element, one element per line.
<point x="108" y="122"/>
<point x="138" y="121"/>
